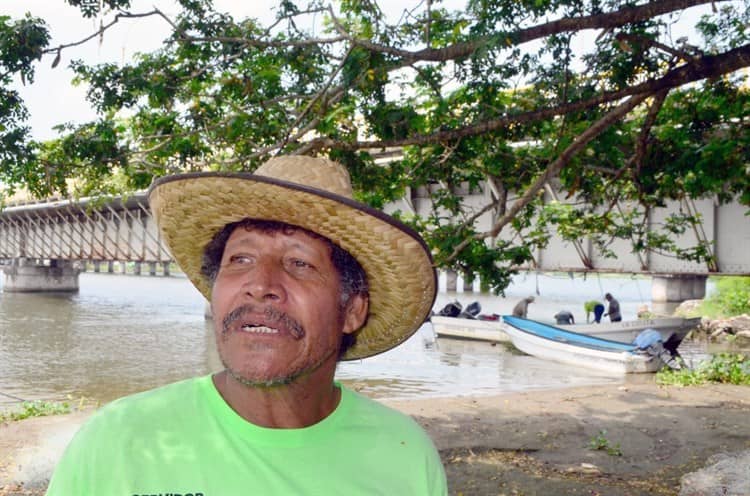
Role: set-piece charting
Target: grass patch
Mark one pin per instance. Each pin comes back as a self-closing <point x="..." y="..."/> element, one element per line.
<point x="722" y="368"/>
<point x="731" y="296"/>
<point x="601" y="443"/>
<point x="36" y="409"/>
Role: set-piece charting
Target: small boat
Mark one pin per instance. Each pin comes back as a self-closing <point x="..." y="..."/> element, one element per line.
<point x="482" y="330"/>
<point x="627" y="330"/>
<point x="554" y="343"/>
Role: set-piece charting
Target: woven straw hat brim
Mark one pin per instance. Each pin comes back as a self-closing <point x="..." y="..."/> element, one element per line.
<point x="191" y="208"/>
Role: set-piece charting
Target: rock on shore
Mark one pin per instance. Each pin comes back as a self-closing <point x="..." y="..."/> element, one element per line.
<point x="725" y="475"/>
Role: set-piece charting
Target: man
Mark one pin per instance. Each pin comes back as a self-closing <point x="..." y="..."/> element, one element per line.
<point x="522" y="307"/>
<point x="564" y="317"/>
<point x="613" y="310"/>
<point x="299" y="276"/>
<point x="598" y="312"/>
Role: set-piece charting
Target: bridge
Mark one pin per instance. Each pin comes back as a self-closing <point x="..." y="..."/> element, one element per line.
<point x="44" y="244"/>
<point x="723" y="230"/>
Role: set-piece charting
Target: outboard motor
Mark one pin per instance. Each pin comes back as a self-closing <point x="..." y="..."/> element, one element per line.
<point x="472" y="310"/>
<point x="649" y="341"/>
<point x="672" y="343"/>
<point x="451" y="310"/>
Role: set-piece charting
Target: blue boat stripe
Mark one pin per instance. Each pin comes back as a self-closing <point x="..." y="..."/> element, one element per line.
<point x="556" y="334"/>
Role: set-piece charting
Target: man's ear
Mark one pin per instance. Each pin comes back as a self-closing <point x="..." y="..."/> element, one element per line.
<point x="355" y="313"/>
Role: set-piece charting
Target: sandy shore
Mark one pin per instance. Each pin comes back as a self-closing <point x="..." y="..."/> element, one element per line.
<point x="515" y="444"/>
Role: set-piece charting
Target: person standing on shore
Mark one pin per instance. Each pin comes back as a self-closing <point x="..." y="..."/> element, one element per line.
<point x="299" y="277"/>
<point x="522" y="307"/>
<point x="613" y="310"/>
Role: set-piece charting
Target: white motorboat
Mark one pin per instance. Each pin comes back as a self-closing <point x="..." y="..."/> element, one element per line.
<point x="482" y="330"/>
<point x="625" y="331"/>
<point x="557" y="344"/>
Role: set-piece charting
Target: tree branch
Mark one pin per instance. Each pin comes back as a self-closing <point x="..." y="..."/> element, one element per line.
<point x="610" y="20"/>
<point x="102" y="29"/>
<point x="554" y="168"/>
<point x="695" y="70"/>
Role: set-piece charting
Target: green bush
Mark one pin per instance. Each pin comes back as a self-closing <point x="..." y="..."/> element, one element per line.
<point x="725" y="368"/>
<point x="731" y="297"/>
<point x="36" y="409"/>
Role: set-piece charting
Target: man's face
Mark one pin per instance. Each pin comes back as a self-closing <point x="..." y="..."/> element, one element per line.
<point x="276" y="307"/>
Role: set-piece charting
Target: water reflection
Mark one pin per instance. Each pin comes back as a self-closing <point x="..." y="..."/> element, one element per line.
<point x="426" y="367"/>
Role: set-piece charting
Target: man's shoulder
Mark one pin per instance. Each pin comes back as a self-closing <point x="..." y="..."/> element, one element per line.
<point x="172" y="390"/>
<point x="163" y="401"/>
<point x="363" y="409"/>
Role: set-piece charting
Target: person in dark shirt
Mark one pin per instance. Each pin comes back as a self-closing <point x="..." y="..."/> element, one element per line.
<point x="564" y="317"/>
<point x="614" y="308"/>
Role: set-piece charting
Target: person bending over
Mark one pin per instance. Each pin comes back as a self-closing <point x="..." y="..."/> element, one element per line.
<point x="522" y="307"/>
<point x="564" y="317"/>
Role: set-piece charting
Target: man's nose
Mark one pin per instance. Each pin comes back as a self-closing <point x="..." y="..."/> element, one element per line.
<point x="265" y="281"/>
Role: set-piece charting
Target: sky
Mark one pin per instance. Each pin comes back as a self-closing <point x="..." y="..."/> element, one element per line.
<point x="51" y="99"/>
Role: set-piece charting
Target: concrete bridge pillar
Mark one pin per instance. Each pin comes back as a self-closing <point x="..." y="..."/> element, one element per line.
<point x="675" y="288"/>
<point x="469" y="282"/>
<point x="29" y="276"/>
<point x="451" y="280"/>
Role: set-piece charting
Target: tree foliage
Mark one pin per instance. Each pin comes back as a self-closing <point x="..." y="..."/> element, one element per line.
<point x="496" y="98"/>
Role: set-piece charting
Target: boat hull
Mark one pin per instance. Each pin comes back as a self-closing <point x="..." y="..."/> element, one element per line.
<point x="626" y="331"/>
<point x="598" y="354"/>
<point x="481" y="330"/>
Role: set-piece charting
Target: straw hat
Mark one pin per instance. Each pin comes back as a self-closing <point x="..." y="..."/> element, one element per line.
<point x="316" y="194"/>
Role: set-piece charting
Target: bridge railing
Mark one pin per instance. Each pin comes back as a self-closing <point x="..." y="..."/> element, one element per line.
<point x="119" y="229"/>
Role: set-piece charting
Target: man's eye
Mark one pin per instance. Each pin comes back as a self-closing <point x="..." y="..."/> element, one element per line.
<point x="299" y="264"/>
<point x="239" y="259"/>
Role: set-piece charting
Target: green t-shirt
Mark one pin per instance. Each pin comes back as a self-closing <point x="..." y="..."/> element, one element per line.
<point x="183" y="439"/>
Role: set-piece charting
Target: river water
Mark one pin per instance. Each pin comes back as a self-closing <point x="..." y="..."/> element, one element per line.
<point x="121" y="334"/>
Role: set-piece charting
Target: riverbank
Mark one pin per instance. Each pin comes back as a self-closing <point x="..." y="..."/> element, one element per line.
<point x="540" y="442"/>
<point x="537" y="442"/>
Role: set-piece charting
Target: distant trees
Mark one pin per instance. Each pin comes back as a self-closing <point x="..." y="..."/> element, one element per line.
<point x="498" y="96"/>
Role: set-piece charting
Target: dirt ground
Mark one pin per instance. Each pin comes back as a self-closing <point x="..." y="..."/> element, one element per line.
<point x="531" y="443"/>
<point x="539" y="443"/>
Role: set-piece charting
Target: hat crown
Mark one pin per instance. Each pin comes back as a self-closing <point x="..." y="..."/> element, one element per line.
<point x="313" y="172"/>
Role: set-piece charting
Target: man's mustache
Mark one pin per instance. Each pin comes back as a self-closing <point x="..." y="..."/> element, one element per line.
<point x="273" y="316"/>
